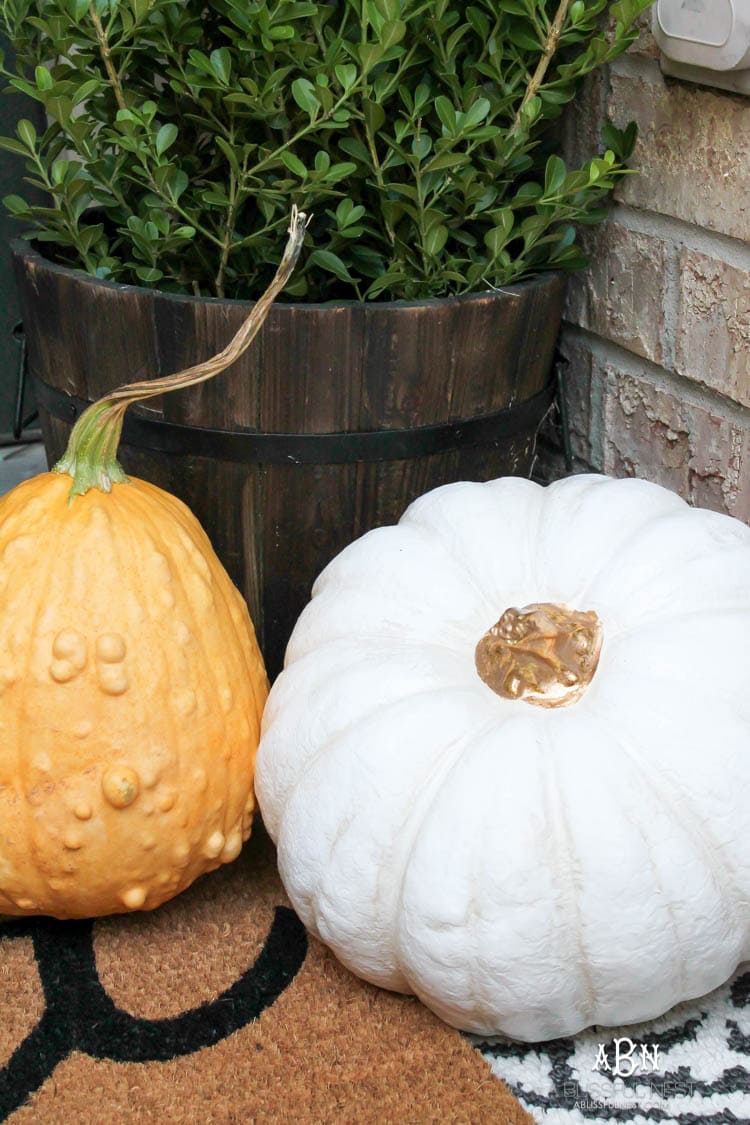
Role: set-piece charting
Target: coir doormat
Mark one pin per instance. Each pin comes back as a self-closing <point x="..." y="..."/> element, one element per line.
<point x="218" y="1008"/>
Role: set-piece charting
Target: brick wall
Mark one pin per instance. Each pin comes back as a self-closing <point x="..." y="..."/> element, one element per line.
<point x="657" y="330"/>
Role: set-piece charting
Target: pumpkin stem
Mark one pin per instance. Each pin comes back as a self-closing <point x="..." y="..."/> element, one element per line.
<point x="91" y="456"/>
<point x="544" y="654"/>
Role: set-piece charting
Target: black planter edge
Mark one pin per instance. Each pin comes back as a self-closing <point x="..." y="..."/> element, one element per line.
<point x="255" y="447"/>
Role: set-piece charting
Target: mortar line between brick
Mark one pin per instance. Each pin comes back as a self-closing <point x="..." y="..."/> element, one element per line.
<point x="659" y="377"/>
<point x="733" y="251"/>
<point x="672" y="301"/>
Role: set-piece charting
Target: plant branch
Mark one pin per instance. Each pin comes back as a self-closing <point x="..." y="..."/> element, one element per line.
<point x="276" y="154"/>
<point x="381" y="182"/>
<point x="234" y="195"/>
<point x="227" y="244"/>
<point x="550" y="47"/>
<point x="106" y="53"/>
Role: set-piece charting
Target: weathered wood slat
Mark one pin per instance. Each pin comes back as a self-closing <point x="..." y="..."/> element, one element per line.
<point x="310" y="384"/>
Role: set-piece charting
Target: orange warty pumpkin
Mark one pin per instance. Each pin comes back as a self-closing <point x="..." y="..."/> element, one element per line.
<point x="131" y="683"/>
<point x="132" y="690"/>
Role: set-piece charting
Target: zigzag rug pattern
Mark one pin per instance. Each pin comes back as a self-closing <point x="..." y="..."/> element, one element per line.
<point x="702" y="1076"/>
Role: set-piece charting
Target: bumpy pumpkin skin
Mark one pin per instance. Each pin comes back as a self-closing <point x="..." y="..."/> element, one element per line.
<point x="131" y="691"/>
<point x="521" y="869"/>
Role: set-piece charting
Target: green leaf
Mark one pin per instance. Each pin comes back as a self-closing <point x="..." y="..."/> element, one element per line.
<point x="160" y="220"/>
<point x="374" y="115"/>
<point x="504" y="220"/>
<point x="479" y="23"/>
<point x="390" y="9"/>
<point x="215" y="198"/>
<point x="528" y="193"/>
<point x="16" y="205"/>
<point x="435" y="239"/>
<point x="9" y="144"/>
<point x="27" y="133"/>
<point x="177" y="183"/>
<point x="495" y="240"/>
<point x="352" y="147"/>
<point x="390" y="280"/>
<point x="44" y="80"/>
<point x="330" y="262"/>
<point x="532" y="228"/>
<point x="476" y="113"/>
<point x="370" y="55"/>
<point x="24" y="87"/>
<point x="347" y="75"/>
<point x="87" y="236"/>
<point x="347" y="214"/>
<point x="393" y="32"/>
<point x="554" y="175"/>
<point x="421" y="146"/>
<point x="620" y="141"/>
<point x="59" y="170"/>
<point x="531" y="111"/>
<point x="446" y="112"/>
<point x="446" y="160"/>
<point x="626" y="12"/>
<point x="521" y="37"/>
<point x="85" y="90"/>
<point x="294" y="164"/>
<point x="221" y="64"/>
<point x="339" y="171"/>
<point x="304" y="95"/>
<point x="148" y="274"/>
<point x="552" y="97"/>
<point x="230" y="154"/>
<point x="165" y="137"/>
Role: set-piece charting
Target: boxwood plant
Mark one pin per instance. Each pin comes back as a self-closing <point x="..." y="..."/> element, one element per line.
<point x="420" y="133"/>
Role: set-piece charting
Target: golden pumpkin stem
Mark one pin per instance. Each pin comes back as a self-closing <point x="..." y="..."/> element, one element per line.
<point x="545" y="654"/>
<point x="91" y="456"/>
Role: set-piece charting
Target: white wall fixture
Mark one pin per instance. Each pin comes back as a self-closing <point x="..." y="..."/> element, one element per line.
<point x="706" y="41"/>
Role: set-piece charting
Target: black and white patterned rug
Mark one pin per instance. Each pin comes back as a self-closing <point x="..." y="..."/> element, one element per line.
<point x="689" y="1067"/>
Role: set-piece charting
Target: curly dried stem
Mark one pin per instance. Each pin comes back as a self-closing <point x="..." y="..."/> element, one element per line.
<point x="91" y="456"/>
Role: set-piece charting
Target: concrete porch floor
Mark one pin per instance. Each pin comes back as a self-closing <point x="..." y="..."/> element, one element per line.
<point x="19" y="462"/>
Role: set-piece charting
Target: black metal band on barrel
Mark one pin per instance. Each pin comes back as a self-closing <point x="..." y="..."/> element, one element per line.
<point x="250" y="446"/>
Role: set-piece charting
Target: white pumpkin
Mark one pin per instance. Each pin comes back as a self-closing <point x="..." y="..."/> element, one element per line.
<point x="523" y="869"/>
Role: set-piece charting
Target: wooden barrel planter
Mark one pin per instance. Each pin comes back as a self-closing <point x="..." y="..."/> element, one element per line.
<point x="336" y="418"/>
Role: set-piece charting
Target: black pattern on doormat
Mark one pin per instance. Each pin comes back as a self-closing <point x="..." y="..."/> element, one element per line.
<point x="80" y="1015"/>
<point x="702" y="1077"/>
